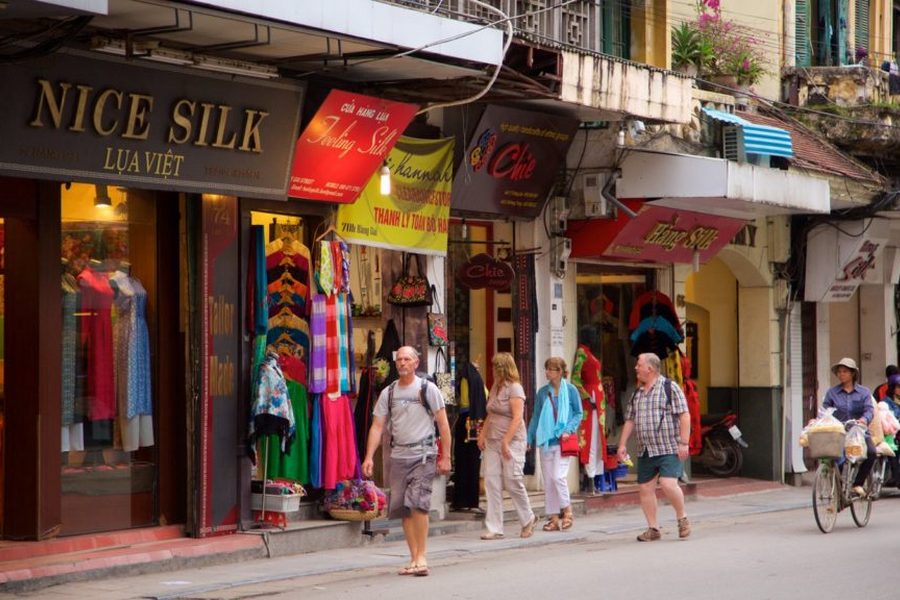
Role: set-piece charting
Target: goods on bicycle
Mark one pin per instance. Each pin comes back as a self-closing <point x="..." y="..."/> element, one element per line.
<point x="826" y="444"/>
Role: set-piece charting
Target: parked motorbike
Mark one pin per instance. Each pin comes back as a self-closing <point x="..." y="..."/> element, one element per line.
<point x="723" y="442"/>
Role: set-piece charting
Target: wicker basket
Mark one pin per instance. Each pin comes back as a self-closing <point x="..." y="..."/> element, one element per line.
<point x="348" y="514"/>
<point x="826" y="444"/>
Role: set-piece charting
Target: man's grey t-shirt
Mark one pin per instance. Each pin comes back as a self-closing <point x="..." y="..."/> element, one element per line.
<point x="410" y="422"/>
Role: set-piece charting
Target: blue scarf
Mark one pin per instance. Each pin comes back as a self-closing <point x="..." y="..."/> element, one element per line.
<point x="549" y="429"/>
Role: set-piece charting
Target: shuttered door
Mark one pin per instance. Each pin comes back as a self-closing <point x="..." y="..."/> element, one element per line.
<point x="803" y="50"/>
<point x="862" y="24"/>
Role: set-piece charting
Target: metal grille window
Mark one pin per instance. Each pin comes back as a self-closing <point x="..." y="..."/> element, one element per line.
<point x="803" y="52"/>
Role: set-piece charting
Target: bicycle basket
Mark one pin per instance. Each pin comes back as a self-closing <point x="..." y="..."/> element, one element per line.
<point x="826" y="444"/>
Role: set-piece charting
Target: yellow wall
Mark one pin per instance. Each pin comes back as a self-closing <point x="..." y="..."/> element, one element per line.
<point x="714" y="289"/>
<point x="650" y="39"/>
<point x="78" y="203"/>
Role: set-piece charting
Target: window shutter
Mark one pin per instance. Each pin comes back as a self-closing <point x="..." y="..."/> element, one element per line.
<point x="803" y="48"/>
<point x="862" y="25"/>
<point x="616" y="28"/>
<point x="845" y="54"/>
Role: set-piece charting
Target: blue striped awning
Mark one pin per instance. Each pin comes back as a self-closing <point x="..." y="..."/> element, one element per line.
<point x="757" y="139"/>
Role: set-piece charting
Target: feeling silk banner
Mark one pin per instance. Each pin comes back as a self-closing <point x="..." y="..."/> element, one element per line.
<point x="414" y="216"/>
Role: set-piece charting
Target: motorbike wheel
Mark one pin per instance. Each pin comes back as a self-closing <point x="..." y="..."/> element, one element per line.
<point x="734" y="457"/>
<point x="825" y="500"/>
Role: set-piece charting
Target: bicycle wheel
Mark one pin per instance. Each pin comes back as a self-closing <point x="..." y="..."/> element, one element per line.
<point x="876" y="478"/>
<point x="861" y="506"/>
<point x="826" y="502"/>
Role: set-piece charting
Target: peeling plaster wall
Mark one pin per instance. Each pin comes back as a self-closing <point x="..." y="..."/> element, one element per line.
<point x="623" y="87"/>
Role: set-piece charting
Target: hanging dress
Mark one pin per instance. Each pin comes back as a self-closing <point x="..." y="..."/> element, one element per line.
<point x="586" y="377"/>
<point x="97" y="340"/>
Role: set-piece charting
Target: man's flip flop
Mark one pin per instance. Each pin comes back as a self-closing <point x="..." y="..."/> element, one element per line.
<point x="420" y="571"/>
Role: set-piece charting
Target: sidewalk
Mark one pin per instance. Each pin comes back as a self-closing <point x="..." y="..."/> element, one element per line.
<point x="191" y="580"/>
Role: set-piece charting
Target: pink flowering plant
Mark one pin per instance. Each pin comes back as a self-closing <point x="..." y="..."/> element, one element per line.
<point x="360" y="495"/>
<point x="734" y="50"/>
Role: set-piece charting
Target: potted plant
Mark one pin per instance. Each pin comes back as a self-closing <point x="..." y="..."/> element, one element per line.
<point x="690" y="49"/>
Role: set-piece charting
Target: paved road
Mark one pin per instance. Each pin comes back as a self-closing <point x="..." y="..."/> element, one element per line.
<point x="754" y="546"/>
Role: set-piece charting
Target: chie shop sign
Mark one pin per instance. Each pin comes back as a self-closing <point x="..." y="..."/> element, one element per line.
<point x="511" y="162"/>
<point x="838" y="261"/>
<point x="344" y="144"/>
<point x="484" y="271"/>
<point x="74" y="116"/>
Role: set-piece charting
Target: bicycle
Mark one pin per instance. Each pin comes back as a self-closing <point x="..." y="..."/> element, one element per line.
<point x="833" y="492"/>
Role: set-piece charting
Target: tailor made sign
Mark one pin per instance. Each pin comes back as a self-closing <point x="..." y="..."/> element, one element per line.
<point x="837" y="263"/>
<point x="512" y="161"/>
<point x="660" y="234"/>
<point x="344" y="144"/>
<point x="77" y="116"/>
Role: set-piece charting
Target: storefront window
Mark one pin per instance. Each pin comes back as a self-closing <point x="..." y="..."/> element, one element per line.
<point x="108" y="298"/>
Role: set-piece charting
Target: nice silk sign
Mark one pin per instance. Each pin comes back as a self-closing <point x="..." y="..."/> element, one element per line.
<point x="346" y="141"/>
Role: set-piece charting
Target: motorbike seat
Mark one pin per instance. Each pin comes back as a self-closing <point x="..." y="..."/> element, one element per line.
<point x="711" y="419"/>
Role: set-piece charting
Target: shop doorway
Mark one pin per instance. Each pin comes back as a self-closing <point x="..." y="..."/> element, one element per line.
<point x="606" y="296"/>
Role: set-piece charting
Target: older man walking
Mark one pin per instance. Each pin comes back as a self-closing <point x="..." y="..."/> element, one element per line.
<point x="411" y="406"/>
<point x="658" y="412"/>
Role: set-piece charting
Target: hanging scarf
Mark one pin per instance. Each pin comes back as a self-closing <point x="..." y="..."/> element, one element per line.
<point x="550" y="425"/>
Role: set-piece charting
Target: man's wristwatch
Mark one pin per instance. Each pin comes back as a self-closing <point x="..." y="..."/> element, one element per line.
<point x="683" y="444"/>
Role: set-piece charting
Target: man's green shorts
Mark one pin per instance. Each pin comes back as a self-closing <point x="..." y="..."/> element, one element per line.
<point x="664" y="465"/>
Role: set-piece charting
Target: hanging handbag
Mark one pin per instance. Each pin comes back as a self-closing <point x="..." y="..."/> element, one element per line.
<point x="443" y="380"/>
<point x="437" y="326"/>
<point x="409" y="289"/>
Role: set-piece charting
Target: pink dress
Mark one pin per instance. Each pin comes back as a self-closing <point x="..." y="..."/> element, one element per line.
<point x="96" y="337"/>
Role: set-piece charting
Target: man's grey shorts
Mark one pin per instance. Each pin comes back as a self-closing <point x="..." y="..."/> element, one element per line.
<point x="665" y="465"/>
<point x="411" y="485"/>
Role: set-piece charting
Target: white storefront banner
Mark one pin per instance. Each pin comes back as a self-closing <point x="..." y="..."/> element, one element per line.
<point x="841" y="256"/>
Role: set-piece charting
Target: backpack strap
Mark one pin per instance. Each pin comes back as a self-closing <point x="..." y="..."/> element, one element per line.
<point x="667" y="387"/>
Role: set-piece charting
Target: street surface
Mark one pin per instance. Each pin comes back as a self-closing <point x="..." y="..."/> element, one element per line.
<point x="754" y="546"/>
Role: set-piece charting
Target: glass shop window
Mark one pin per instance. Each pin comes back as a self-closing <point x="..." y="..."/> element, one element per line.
<point x="108" y="277"/>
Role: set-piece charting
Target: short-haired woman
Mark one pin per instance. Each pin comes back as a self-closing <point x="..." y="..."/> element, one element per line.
<point x="502" y="440"/>
<point x="557" y="415"/>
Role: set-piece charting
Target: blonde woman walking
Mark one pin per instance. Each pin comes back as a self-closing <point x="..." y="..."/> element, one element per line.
<point x="502" y="441"/>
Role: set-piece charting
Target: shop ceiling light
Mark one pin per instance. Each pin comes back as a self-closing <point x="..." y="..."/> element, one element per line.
<point x="385" y="180"/>
<point x="102" y="199"/>
<point x="235" y="67"/>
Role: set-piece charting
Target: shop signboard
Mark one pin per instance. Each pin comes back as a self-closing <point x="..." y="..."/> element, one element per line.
<point x="511" y="162"/>
<point x="83" y="116"/>
<point x="839" y="260"/>
<point x="345" y="142"/>
<point x="656" y="234"/>
<point x="415" y="215"/>
<point x="219" y="399"/>
<point x="484" y="271"/>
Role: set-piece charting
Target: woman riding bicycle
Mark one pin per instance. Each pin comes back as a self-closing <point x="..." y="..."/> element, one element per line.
<point x="852" y="401"/>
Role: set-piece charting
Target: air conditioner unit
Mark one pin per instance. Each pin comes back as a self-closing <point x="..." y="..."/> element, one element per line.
<point x="595" y="205"/>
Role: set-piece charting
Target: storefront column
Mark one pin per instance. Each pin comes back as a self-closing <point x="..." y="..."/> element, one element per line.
<point x="33" y="320"/>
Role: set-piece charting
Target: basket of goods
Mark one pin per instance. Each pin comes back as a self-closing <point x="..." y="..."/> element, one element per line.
<point x="825" y="437"/>
<point x="355" y="500"/>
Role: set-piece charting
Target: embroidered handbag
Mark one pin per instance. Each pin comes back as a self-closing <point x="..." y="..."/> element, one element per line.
<point x="437" y="326"/>
<point x="443" y="380"/>
<point x="409" y="289"/>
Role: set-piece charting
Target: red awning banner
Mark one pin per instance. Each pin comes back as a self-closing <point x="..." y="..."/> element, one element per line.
<point x="344" y="144"/>
<point x="656" y="234"/>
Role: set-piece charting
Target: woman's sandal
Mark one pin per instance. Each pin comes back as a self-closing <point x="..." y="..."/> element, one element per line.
<point x="420" y="571"/>
<point x="552" y="524"/>
<point x="528" y="530"/>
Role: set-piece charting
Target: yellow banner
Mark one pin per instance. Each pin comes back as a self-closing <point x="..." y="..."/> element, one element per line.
<point x="414" y="217"/>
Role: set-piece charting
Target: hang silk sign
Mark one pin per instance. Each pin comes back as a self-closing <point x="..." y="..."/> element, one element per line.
<point x="415" y="215"/>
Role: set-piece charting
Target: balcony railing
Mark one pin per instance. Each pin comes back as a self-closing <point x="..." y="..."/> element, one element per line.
<point x="576" y="26"/>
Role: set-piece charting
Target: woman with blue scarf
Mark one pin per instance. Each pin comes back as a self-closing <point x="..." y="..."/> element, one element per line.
<point x="557" y="415"/>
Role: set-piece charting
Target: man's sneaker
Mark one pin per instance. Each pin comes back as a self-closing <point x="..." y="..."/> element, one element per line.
<point x="650" y="535"/>
<point x="684" y="527"/>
